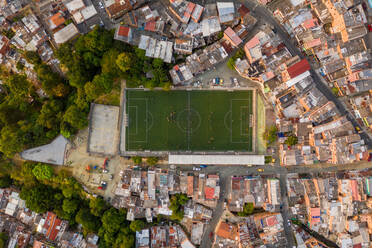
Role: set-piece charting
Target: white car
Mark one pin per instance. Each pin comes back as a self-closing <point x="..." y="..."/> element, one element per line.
<point x="196" y="168"/>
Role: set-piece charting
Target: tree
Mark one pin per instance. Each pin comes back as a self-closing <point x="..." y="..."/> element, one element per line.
<point x="176" y="205"/>
<point x="11" y="140"/>
<point x="5" y="181"/>
<point x="20" y="66"/>
<point x="32" y="57"/>
<point x="3" y="239"/>
<point x="248" y="209"/>
<point x="125" y="238"/>
<point x="137" y="225"/>
<point x="70" y="206"/>
<point x="18" y="85"/>
<point x="42" y="171"/>
<point x="93" y="90"/>
<point x="89" y="222"/>
<point x="75" y="117"/>
<point x="106" y="63"/>
<point x="25" y="175"/>
<point x="97" y="206"/>
<point x="291" y="140"/>
<point x="152" y="160"/>
<point x="137" y="159"/>
<point x="125" y="61"/>
<point x="50" y="114"/>
<point x="112" y="220"/>
<point x="231" y="63"/>
<point x="39" y="198"/>
<point x="270" y="134"/>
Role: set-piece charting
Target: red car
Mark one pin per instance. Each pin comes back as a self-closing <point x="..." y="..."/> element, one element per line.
<point x="369" y="27"/>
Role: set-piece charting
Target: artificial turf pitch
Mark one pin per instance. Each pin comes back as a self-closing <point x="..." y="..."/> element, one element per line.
<point x="198" y="120"/>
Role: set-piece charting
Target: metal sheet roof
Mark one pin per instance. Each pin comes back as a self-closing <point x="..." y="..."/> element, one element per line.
<point x="217" y="159"/>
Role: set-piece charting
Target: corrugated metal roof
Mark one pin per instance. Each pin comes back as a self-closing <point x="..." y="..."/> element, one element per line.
<point x="217" y="159"/>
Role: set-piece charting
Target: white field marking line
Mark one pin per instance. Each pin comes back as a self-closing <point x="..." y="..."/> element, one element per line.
<point x="136" y="117"/>
<point x="231" y="138"/>
<point x="142" y="99"/>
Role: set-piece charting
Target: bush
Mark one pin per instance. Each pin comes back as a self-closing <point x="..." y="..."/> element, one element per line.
<point x="137" y="160"/>
<point x="291" y="140"/>
<point x="270" y="134"/>
<point x="152" y="160"/>
<point x="42" y="171"/>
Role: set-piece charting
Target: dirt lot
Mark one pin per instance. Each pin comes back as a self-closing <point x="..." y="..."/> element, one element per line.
<point x="78" y="159"/>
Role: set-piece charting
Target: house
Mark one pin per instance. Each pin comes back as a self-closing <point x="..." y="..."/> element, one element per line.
<point x="231" y="36"/>
<point x="65" y="34"/>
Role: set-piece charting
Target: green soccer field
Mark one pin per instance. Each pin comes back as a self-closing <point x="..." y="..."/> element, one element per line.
<point x="198" y="120"/>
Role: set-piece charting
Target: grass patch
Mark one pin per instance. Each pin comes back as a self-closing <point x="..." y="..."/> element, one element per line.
<point x="189" y="120"/>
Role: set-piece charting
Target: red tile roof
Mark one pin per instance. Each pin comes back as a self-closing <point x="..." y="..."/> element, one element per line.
<point x="150" y="26"/>
<point x="252" y="42"/>
<point x="243" y="10"/>
<point x="226" y="231"/>
<point x="298" y="68"/>
<point x="56" y="20"/>
<point x="123" y="31"/>
<point x="270" y="221"/>
<point x="235" y="39"/>
<point x="52" y="224"/>
<point x="209" y="193"/>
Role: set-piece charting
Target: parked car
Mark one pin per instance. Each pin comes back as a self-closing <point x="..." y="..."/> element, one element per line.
<point x="196" y="168"/>
<point x="260" y="170"/>
<point x="369" y="27"/>
<point x="203" y="166"/>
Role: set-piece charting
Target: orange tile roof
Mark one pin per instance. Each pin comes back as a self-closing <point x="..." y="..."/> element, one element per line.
<point x="190" y="185"/>
<point x="57" y="20"/>
<point x="226" y="231"/>
<point x="123" y="31"/>
<point x="233" y="36"/>
<point x="270" y="221"/>
<point x="298" y="68"/>
<point x="209" y="193"/>
<point x="252" y="42"/>
<point x="310" y="23"/>
<point x="150" y="26"/>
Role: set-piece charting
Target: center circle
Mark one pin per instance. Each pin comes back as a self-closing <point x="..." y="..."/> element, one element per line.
<point x="188" y="120"/>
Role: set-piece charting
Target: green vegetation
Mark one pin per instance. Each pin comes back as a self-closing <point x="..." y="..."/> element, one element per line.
<point x="249" y="209"/>
<point x="231" y="62"/>
<point x="42" y="171"/>
<point x="137" y="225"/>
<point x="176" y="205"/>
<point x="291" y="140"/>
<point x="195" y="120"/>
<point x="268" y="159"/>
<point x="270" y="134"/>
<point x="3" y="239"/>
<point x="20" y="66"/>
<point x="9" y="33"/>
<point x="137" y="160"/>
<point x="335" y="91"/>
<point x="152" y="160"/>
<point x="63" y="195"/>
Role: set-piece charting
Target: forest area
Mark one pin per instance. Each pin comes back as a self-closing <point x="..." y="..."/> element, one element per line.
<point x="94" y="64"/>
